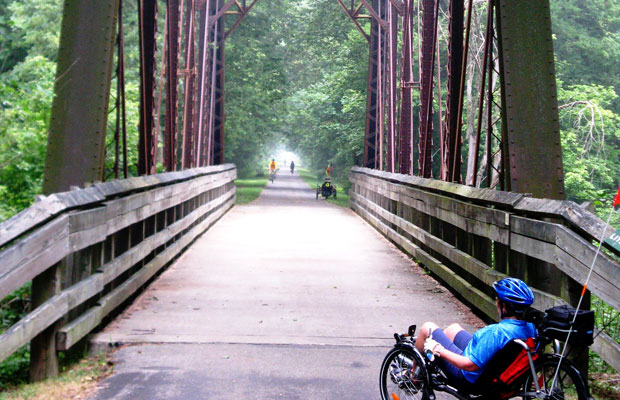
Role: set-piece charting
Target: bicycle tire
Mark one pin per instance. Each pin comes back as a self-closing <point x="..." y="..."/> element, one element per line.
<point x="569" y="384"/>
<point x="395" y="382"/>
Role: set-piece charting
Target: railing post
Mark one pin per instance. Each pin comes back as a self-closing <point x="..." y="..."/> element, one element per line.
<point x="43" y="358"/>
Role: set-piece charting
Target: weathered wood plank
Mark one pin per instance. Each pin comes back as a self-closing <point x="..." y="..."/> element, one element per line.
<point x="49" y="206"/>
<point x="76" y="330"/>
<point x="540" y="230"/>
<point x="30" y="245"/>
<point x="574" y="268"/>
<point x="585" y="252"/>
<point x="122" y="213"/>
<point x="132" y="256"/>
<point x="608" y="349"/>
<point x="474" y="219"/>
<point x="475" y="296"/>
<point x="56" y="307"/>
<point x="28" y="219"/>
<point x="25" y="271"/>
<point x="432" y="200"/>
<point x="470" y="264"/>
<point x="507" y="199"/>
<point x="45" y="315"/>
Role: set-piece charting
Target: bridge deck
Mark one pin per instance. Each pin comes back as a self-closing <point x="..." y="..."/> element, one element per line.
<point x="288" y="297"/>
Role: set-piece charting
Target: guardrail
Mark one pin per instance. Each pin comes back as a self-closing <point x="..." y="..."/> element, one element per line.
<point x="99" y="245"/>
<point x="471" y="237"/>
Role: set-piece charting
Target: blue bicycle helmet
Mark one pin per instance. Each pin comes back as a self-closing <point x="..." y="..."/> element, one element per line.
<point x="514" y="291"/>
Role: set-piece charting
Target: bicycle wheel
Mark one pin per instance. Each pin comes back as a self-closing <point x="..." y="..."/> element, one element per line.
<point x="396" y="380"/>
<point x="568" y="386"/>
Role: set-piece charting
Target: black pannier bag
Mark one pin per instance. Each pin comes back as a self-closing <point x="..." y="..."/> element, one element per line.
<point x="557" y="323"/>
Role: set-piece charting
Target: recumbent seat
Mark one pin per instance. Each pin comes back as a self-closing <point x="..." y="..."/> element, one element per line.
<point x="506" y="371"/>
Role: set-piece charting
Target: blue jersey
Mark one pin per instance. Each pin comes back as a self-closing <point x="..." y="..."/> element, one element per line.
<point x="491" y="339"/>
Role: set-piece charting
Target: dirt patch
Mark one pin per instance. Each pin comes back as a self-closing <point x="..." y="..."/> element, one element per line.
<point x="78" y="382"/>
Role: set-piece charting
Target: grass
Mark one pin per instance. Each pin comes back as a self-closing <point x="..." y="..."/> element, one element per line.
<point x="248" y="190"/>
<point x="76" y="381"/>
<point x="312" y="180"/>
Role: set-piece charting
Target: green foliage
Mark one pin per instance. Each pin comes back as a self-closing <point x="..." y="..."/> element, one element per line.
<point x="25" y="93"/>
<point x="590" y="135"/>
<point x="248" y="190"/>
<point x="14" y="370"/>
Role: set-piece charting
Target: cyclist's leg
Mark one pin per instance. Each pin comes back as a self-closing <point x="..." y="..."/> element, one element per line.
<point x="423" y="334"/>
<point x="454" y="374"/>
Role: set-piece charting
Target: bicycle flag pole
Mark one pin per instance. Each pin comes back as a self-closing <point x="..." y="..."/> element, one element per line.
<point x="615" y="205"/>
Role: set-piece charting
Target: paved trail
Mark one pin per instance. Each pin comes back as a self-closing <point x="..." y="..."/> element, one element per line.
<point x="286" y="298"/>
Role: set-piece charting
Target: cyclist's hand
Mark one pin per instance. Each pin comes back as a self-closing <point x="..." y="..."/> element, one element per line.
<point x="433" y="346"/>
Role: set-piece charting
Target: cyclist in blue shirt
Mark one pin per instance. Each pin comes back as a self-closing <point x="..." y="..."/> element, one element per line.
<point x="463" y="356"/>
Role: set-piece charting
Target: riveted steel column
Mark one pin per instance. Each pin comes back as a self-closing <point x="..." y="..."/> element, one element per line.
<point x="172" y="65"/>
<point x="219" y="115"/>
<point x="147" y="151"/>
<point x="370" y="135"/>
<point x="452" y="146"/>
<point x="76" y="140"/>
<point x="533" y="145"/>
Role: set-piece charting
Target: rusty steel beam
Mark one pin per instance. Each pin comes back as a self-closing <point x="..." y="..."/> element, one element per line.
<point x="427" y="65"/>
<point x="214" y="33"/>
<point x="203" y="81"/>
<point x="531" y="113"/>
<point x="218" y="115"/>
<point x="147" y="144"/>
<point x="77" y="133"/>
<point x="406" y="121"/>
<point x="392" y="92"/>
<point x="243" y="13"/>
<point x="456" y="160"/>
<point x="452" y="146"/>
<point x="370" y="132"/>
<point x="172" y="66"/>
<point x="353" y="14"/>
<point x="189" y="75"/>
<point x="488" y="43"/>
<point x="78" y="125"/>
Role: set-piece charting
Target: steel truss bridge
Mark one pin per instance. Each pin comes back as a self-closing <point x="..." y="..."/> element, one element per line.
<point x="88" y="245"/>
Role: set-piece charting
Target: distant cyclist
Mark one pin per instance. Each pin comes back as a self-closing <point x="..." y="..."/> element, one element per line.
<point x="292" y="166"/>
<point x="329" y="169"/>
<point x="272" y="169"/>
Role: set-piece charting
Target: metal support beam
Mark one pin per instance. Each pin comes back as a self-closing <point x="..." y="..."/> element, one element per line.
<point x="76" y="140"/>
<point x="533" y="145"/>
<point x="406" y="120"/>
<point x="147" y="146"/>
<point x="392" y="91"/>
<point x="218" y="115"/>
<point x="427" y="65"/>
<point x="78" y="125"/>
<point x="172" y="66"/>
<point x="371" y="140"/>
<point x="189" y="74"/>
<point x="452" y="146"/>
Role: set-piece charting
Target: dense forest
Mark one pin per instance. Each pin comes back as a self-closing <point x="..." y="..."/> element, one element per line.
<point x="296" y="81"/>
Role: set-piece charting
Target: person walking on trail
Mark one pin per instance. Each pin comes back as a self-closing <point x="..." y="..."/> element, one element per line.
<point x="329" y="170"/>
<point x="463" y="356"/>
<point x="292" y="166"/>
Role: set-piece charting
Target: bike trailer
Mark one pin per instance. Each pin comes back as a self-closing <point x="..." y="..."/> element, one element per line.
<point x="557" y="323"/>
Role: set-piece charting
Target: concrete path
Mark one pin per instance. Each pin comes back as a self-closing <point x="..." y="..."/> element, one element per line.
<point x="286" y="298"/>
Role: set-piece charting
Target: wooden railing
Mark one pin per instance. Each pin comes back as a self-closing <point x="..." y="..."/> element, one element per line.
<point x="471" y="237"/>
<point x="104" y="243"/>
